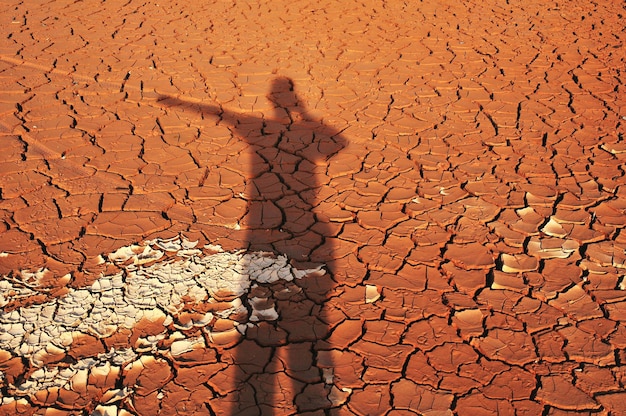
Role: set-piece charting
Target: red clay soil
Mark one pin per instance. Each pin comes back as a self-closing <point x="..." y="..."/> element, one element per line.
<point x="456" y="166"/>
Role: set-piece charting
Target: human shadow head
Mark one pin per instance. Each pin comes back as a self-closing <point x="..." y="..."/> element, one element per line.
<point x="283" y="95"/>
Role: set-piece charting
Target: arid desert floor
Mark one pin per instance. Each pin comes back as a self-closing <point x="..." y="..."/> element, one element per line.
<point x="312" y="207"/>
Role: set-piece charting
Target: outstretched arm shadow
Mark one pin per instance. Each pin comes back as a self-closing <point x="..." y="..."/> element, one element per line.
<point x="294" y="148"/>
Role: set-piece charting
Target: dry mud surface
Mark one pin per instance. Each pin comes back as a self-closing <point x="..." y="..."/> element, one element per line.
<point x="312" y="207"/>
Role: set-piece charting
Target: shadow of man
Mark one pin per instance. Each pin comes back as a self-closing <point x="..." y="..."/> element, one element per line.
<point x="290" y="150"/>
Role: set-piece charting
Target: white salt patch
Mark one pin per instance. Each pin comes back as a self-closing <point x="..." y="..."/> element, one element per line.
<point x="148" y="287"/>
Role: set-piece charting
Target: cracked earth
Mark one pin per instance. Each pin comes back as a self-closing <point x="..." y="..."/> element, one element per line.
<point x="316" y="208"/>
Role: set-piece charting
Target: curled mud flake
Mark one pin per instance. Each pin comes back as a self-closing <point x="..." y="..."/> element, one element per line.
<point x="183" y="346"/>
<point x="226" y="338"/>
<point x="469" y="322"/>
<point x="551" y="248"/>
<point x="123" y="254"/>
<point x="168" y="244"/>
<point x="516" y="263"/>
<point x="555" y="229"/>
<point x="101" y="410"/>
<point x="315" y="272"/>
<point x="216" y="248"/>
<point x="372" y="293"/>
<point x="338" y="396"/>
<point x="615" y="148"/>
<point x="263" y="309"/>
<point x="187" y="244"/>
<point x="509" y="281"/>
<point x="147" y="255"/>
<point x="577" y="303"/>
<point x="33" y="279"/>
<point x="50" y="354"/>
